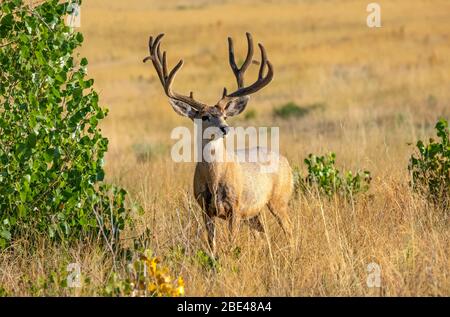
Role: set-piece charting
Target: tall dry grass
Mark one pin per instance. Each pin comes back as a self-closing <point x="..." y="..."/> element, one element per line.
<point x="381" y="89"/>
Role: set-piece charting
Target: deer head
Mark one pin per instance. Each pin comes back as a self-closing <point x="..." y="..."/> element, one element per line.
<point x="230" y="104"/>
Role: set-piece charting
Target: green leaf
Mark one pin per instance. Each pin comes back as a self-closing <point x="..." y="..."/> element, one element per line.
<point x="79" y="37"/>
<point x="5" y="234"/>
<point x="40" y="57"/>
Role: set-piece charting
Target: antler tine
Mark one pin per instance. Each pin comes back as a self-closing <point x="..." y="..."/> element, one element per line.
<point x="224" y="92"/>
<point x="262" y="80"/>
<point x="231" y="56"/>
<point x="155" y="43"/>
<point x="257" y="85"/>
<point x="158" y="51"/>
<point x="239" y="72"/>
<point x="160" y="63"/>
<point x="263" y="61"/>
<point x="150" y="44"/>
<point x="164" y="64"/>
<point x="171" y="77"/>
<point x="248" y="58"/>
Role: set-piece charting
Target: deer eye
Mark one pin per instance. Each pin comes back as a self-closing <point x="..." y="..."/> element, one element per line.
<point x="204" y="118"/>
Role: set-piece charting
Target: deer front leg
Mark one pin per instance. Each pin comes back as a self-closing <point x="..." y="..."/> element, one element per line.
<point x="211" y="230"/>
<point x="279" y="211"/>
<point x="204" y="198"/>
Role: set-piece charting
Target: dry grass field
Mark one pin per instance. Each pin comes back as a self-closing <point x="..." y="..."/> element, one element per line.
<point x="380" y="90"/>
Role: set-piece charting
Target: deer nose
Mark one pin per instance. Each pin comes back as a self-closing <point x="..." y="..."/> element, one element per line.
<point x="225" y="130"/>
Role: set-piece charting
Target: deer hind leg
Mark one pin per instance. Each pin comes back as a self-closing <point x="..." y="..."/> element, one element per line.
<point x="255" y="224"/>
<point x="233" y="224"/>
<point x="279" y="211"/>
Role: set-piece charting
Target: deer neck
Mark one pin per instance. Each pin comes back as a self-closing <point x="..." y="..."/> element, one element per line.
<point x="218" y="169"/>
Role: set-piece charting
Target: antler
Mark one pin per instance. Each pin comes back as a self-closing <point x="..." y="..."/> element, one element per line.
<point x="160" y="63"/>
<point x="262" y="80"/>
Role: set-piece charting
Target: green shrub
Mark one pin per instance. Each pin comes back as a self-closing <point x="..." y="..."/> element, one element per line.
<point x="50" y="283"/>
<point x="51" y="149"/>
<point x="291" y="109"/>
<point x="205" y="261"/>
<point x="323" y="175"/>
<point x="430" y="167"/>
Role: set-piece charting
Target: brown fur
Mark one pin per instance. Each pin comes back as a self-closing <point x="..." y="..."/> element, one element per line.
<point x="239" y="191"/>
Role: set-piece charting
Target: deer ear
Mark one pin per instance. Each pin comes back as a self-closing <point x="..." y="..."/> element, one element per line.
<point x="236" y="106"/>
<point x="182" y="108"/>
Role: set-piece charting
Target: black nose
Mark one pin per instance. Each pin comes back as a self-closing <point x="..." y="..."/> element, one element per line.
<point x="225" y="130"/>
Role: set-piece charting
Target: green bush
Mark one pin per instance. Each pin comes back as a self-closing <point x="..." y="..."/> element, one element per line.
<point x="291" y="109"/>
<point x="323" y="175"/>
<point x="51" y="149"/>
<point x="430" y="169"/>
<point x="205" y="261"/>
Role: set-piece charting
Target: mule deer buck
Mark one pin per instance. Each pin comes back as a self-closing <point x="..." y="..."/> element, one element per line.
<point x="230" y="190"/>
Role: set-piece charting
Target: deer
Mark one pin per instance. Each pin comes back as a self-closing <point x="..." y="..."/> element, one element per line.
<point x="231" y="190"/>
